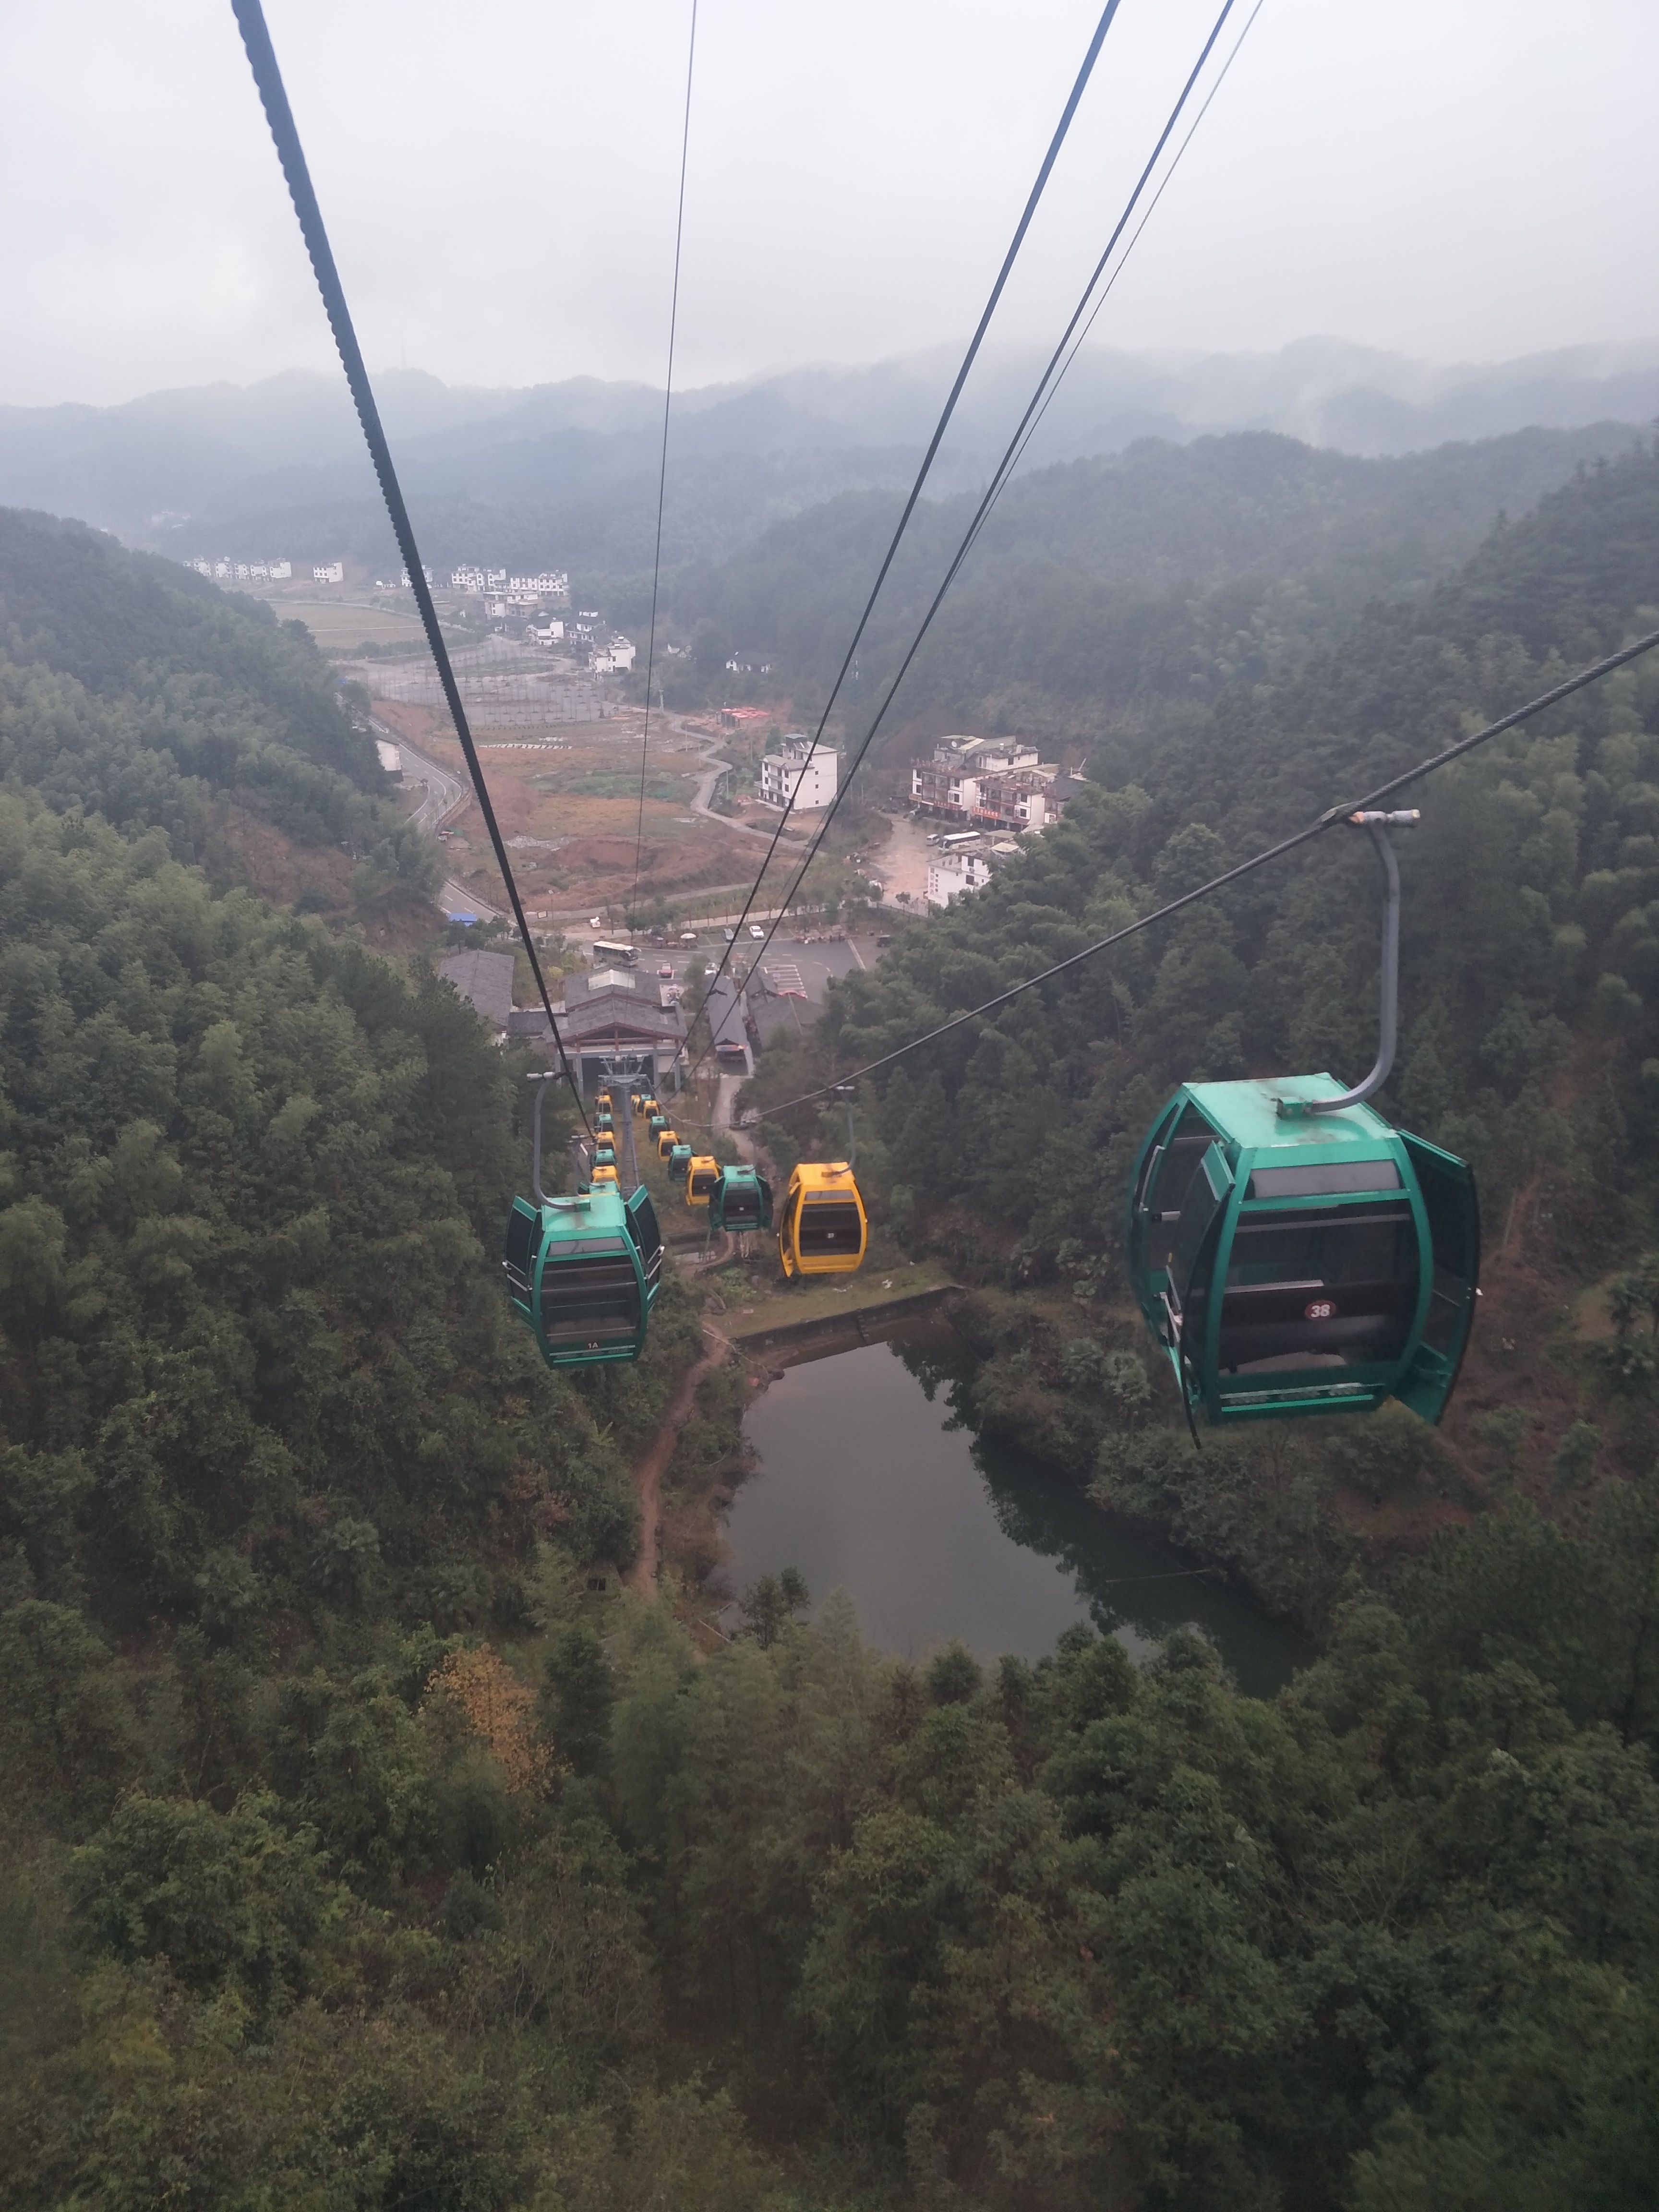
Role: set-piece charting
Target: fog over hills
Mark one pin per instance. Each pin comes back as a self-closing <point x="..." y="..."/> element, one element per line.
<point x="568" y="471"/>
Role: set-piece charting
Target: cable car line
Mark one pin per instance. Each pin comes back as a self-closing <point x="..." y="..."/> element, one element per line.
<point x="662" y="470"/>
<point x="1164" y="182"/>
<point x="268" y="77"/>
<point x="1047" y="384"/>
<point x="937" y="440"/>
<point x="1330" y="819"/>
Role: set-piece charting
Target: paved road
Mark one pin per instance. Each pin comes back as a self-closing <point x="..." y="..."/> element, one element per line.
<point x="446" y="793"/>
<point x="726" y="1099"/>
<point x="713" y="767"/>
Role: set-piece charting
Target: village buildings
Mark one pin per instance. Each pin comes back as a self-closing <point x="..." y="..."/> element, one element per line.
<point x="990" y="783"/>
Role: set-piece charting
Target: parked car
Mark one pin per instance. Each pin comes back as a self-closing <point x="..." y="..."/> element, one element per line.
<point x="757" y="933"/>
<point x="730" y="935"/>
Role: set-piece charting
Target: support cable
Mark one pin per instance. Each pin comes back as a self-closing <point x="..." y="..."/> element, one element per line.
<point x="1164" y="182"/>
<point x="662" y="470"/>
<point x="1328" y="820"/>
<point x="968" y="360"/>
<point x="262" y="58"/>
<point x="1047" y="383"/>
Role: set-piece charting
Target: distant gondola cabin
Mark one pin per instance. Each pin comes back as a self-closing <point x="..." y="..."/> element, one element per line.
<point x="741" y="1201"/>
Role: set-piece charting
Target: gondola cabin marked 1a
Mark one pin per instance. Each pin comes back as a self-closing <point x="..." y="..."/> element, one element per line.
<point x="1299" y="1267"/>
<point x="822" y="1228"/>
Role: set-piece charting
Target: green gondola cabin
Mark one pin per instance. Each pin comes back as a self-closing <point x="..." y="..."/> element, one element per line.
<point x="1296" y="1263"/>
<point x="584" y="1273"/>
<point x="742" y="1200"/>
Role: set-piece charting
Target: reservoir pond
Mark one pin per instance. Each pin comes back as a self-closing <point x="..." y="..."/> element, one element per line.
<point x="867" y="1479"/>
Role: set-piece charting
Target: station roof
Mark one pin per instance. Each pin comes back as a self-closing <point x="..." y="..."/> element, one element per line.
<point x="484" y="978"/>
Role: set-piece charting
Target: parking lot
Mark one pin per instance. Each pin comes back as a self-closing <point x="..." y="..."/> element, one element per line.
<point x="786" y="993"/>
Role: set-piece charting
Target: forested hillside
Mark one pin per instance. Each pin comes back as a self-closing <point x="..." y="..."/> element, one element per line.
<point x="1104" y="588"/>
<point x="366" y="1847"/>
<point x="132" y="689"/>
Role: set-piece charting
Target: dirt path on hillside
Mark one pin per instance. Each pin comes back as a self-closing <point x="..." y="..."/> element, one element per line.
<point x="651" y="1469"/>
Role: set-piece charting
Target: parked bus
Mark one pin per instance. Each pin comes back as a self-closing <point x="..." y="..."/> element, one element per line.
<point x="605" y="950"/>
<point x="959" y="841"/>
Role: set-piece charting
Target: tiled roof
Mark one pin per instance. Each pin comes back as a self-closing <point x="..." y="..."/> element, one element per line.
<point x="485" y="979"/>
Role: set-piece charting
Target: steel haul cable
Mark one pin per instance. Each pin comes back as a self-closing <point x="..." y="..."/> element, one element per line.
<point x="1164" y="183"/>
<point x="1328" y="820"/>
<point x="969" y="359"/>
<point x="1047" y="384"/>
<point x="262" y="58"/>
<point x="662" y="473"/>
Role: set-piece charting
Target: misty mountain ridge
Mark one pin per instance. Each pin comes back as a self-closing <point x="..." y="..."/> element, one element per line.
<point x="227" y="466"/>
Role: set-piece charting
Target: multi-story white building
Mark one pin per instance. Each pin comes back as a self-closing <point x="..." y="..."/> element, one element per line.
<point x="244" y="572"/>
<point x="802" y="771"/>
<point x="328" y="571"/>
<point x="954" y="782"/>
<point x="546" y="584"/>
<point x="614" y="659"/>
<point x="947" y="879"/>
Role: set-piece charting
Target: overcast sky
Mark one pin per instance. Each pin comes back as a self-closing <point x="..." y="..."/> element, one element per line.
<point x="1457" y="179"/>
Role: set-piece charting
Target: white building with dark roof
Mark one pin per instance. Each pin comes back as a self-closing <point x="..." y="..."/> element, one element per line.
<point x="803" y="771"/>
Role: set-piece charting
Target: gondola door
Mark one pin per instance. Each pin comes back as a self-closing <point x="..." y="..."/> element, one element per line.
<point x="1454" y="1218"/>
<point x="1190" y="1266"/>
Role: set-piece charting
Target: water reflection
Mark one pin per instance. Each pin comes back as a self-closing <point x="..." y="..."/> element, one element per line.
<point x="869" y="1480"/>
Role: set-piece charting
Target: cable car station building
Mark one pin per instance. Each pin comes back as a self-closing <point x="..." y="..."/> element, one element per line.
<point x="616" y="1027"/>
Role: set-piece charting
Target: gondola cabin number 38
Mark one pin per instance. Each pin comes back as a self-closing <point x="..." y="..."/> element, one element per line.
<point x="1299" y="1266"/>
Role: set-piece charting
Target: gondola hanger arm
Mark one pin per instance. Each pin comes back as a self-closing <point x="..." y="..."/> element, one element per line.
<point x="1378" y="823"/>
